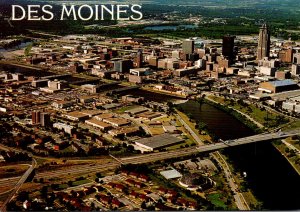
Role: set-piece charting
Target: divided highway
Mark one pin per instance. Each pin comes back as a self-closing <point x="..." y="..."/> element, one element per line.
<point x="208" y="148"/>
<point x="152" y="157"/>
<point x="19" y="184"/>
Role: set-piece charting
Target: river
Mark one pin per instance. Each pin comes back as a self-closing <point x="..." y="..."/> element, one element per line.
<point x="170" y="27"/>
<point x="21" y="46"/>
<point x="270" y="176"/>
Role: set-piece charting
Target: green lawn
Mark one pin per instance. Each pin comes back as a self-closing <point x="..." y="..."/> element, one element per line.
<point x="123" y="109"/>
<point x="63" y="186"/>
<point x="216" y="199"/>
<point x="293" y="159"/>
<point x="260" y="115"/>
<point x="178" y="146"/>
<point x="67" y="150"/>
<point x="81" y="182"/>
<point x="292" y="125"/>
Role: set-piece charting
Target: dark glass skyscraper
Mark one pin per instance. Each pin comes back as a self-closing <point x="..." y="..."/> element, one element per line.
<point x="264" y="42"/>
<point x="228" y="47"/>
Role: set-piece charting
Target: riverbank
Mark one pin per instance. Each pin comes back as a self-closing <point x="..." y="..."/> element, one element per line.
<point x="164" y="93"/>
<point x="247" y="120"/>
<point x="244" y="199"/>
<point x="293" y="159"/>
<point x="260" y="161"/>
<point x="254" y="112"/>
<point x="288" y="151"/>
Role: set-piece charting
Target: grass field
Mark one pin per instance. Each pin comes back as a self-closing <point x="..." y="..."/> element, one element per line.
<point x="12" y="170"/>
<point x="81" y="182"/>
<point x="216" y="200"/>
<point x="293" y="159"/>
<point x="293" y="125"/>
<point x="192" y="125"/>
<point x="123" y="109"/>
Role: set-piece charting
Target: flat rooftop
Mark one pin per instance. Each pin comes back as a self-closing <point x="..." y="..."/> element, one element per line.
<point x="76" y="114"/>
<point x="171" y="174"/>
<point x="98" y="123"/>
<point x="281" y="83"/>
<point x="137" y="110"/>
<point x="288" y="94"/>
<point x="159" y="141"/>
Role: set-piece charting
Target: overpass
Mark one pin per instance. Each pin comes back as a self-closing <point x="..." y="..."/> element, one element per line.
<point x="17" y="187"/>
<point x="147" y="158"/>
<point x="207" y="148"/>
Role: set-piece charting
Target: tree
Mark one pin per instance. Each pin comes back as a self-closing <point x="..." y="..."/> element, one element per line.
<point x="143" y="205"/>
<point x="44" y="191"/>
<point x="201" y="126"/>
<point x="23" y="195"/>
<point x="98" y="174"/>
<point x="287" y="150"/>
<point x="130" y="148"/>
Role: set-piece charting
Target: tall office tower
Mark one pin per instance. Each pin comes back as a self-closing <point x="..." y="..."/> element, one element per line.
<point x="188" y="46"/>
<point x="45" y="119"/>
<point x="35" y="117"/>
<point x="264" y="42"/>
<point x="228" y="47"/>
<point x="139" y="59"/>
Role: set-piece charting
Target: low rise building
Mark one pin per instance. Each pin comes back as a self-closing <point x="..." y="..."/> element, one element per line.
<point x="158" y="142"/>
<point x="278" y="86"/>
<point x="76" y="116"/>
<point x="117" y="122"/>
<point x="62" y="104"/>
<point x="67" y="128"/>
<point x="99" y="124"/>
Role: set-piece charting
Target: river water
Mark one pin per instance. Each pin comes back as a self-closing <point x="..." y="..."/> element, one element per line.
<point x="21" y="46"/>
<point x="271" y="178"/>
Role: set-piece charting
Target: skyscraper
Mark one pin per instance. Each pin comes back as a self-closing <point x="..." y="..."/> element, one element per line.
<point x="188" y="46"/>
<point x="36" y="117"/>
<point x="263" y="49"/>
<point x="139" y="59"/>
<point x="45" y="119"/>
<point x="228" y="47"/>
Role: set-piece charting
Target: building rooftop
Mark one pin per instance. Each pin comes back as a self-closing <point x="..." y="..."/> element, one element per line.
<point x="99" y="123"/>
<point x="91" y="112"/>
<point x="281" y="83"/>
<point x="111" y="106"/>
<point x="104" y="116"/>
<point x="118" y="121"/>
<point x="137" y="110"/>
<point x="159" y="141"/>
<point x="171" y="174"/>
<point x="76" y="114"/>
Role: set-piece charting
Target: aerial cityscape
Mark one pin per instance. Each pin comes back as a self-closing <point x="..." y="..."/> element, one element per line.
<point x="193" y="106"/>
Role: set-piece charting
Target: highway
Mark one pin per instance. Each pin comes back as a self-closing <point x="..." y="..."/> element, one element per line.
<point x="238" y="197"/>
<point x="19" y="184"/>
<point x="152" y="157"/>
<point x="146" y="159"/>
<point x="77" y="170"/>
<point x="207" y="148"/>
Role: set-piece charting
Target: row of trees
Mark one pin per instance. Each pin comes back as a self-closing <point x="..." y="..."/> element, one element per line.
<point x="15" y="156"/>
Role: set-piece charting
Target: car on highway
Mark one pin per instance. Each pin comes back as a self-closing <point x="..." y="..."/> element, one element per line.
<point x="229" y="141"/>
